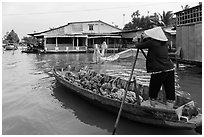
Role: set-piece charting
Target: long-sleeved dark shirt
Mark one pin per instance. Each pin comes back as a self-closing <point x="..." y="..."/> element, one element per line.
<point x="157" y="56"/>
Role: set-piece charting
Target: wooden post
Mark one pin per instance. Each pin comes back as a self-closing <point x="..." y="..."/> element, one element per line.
<point x="86" y="44"/>
<point x="73" y="42"/>
<point x="56" y="45"/>
<point x="45" y="46"/>
<point x="77" y="42"/>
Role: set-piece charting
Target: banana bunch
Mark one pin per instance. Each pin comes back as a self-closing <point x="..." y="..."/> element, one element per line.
<point x="103" y="84"/>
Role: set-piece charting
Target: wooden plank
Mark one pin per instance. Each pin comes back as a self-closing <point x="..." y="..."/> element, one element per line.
<point x="191" y="43"/>
<point x="198" y="41"/>
<point x="184" y="39"/>
<point x="178" y="37"/>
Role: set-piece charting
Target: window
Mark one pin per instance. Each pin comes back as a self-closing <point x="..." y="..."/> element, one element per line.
<point x="65" y="40"/>
<point x="192" y="15"/>
<point x="50" y="41"/>
<point x="90" y="27"/>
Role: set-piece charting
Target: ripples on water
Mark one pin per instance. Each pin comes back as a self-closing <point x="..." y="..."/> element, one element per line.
<point x="33" y="103"/>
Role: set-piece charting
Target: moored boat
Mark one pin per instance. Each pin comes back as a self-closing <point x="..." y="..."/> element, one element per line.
<point x="10" y="46"/>
<point x="30" y="51"/>
<point x="108" y="91"/>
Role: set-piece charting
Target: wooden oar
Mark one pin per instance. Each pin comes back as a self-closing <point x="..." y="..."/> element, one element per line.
<point x="127" y="85"/>
<point x="143" y="53"/>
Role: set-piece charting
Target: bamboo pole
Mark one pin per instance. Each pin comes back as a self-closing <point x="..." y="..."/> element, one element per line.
<point x="127" y="85"/>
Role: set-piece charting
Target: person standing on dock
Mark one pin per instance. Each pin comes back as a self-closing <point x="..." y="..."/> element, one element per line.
<point x="96" y="55"/>
<point x="159" y="65"/>
<point x="104" y="46"/>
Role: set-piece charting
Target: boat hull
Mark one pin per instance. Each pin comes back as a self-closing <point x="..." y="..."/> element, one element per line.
<point x="10" y="48"/>
<point x="142" y="114"/>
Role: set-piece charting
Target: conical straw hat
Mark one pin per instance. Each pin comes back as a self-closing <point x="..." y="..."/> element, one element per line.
<point x="156" y="33"/>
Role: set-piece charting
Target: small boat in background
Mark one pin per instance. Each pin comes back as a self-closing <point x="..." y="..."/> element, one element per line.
<point x="107" y="92"/>
<point x="31" y="48"/>
<point x="30" y="51"/>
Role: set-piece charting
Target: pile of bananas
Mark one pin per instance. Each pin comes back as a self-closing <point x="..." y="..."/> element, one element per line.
<point x="101" y="84"/>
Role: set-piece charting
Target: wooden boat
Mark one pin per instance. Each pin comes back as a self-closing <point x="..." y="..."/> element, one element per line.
<point x="33" y="50"/>
<point x="144" y="113"/>
<point x="10" y="46"/>
<point x="63" y="51"/>
<point x="28" y="51"/>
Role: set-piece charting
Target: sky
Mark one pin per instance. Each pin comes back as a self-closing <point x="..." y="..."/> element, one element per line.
<point x="27" y="16"/>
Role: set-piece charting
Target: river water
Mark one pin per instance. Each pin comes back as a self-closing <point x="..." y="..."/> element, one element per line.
<point x="34" y="103"/>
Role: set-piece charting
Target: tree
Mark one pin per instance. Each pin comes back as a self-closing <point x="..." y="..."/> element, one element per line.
<point x="4" y="38"/>
<point x="138" y="22"/>
<point x="154" y="18"/>
<point x="147" y="22"/>
<point x="128" y="26"/>
<point x="12" y="37"/>
<point x="30" y="40"/>
<point x="156" y="21"/>
<point x="166" y="17"/>
<point x="135" y="14"/>
<point x="185" y="7"/>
